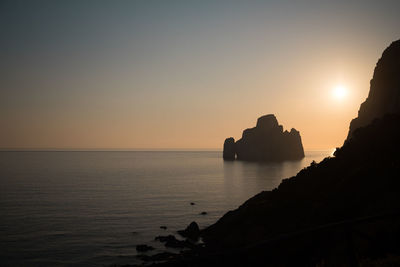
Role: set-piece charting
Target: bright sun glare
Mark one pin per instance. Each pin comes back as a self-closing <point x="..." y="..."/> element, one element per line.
<point x="339" y="92"/>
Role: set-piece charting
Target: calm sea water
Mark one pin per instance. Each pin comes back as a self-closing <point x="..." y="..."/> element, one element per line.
<point x="93" y="208"/>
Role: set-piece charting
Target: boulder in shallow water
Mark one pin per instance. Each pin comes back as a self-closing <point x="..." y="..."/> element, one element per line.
<point x="192" y="231"/>
<point x="171" y="242"/>
<point x="143" y="248"/>
<point x="163" y="256"/>
<point x="164" y="238"/>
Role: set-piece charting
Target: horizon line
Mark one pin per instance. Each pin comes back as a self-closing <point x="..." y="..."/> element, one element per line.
<point x="125" y="149"/>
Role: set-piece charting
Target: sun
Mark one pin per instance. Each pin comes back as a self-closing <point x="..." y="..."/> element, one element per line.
<point x="339" y="92"/>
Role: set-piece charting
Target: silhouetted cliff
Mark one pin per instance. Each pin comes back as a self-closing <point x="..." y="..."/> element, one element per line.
<point x="384" y="94"/>
<point x="265" y="142"/>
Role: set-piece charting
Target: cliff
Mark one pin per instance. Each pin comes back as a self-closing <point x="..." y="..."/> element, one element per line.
<point x="265" y="142"/>
<point x="384" y="94"/>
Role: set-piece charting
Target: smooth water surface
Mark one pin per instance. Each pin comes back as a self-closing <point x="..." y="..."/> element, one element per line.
<point x="93" y="208"/>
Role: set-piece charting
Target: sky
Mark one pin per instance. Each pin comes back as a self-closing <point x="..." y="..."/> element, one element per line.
<point x="184" y="74"/>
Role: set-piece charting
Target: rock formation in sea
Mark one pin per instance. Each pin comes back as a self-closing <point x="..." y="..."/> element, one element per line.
<point x="192" y="232"/>
<point x="229" y="149"/>
<point x="265" y="142"/>
<point x="384" y="94"/>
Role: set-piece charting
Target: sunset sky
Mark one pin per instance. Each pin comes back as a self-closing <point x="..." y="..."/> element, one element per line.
<point x="184" y="74"/>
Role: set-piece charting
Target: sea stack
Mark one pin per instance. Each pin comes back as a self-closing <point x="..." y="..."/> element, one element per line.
<point x="265" y="142"/>
<point x="384" y="94"/>
<point x="229" y="149"/>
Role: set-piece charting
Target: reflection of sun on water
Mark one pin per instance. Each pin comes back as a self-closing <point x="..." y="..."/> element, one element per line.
<point x="339" y="92"/>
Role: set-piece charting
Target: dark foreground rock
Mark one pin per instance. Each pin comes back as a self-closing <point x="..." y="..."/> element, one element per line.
<point x="265" y="142"/>
<point x="164" y="238"/>
<point x="163" y="256"/>
<point x="171" y="242"/>
<point x="143" y="248"/>
<point x="192" y="231"/>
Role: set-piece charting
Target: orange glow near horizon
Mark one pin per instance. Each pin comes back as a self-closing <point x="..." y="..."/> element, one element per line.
<point x="202" y="118"/>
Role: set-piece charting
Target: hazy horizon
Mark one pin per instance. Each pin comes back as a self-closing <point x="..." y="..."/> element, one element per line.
<point x="130" y="150"/>
<point x="184" y="75"/>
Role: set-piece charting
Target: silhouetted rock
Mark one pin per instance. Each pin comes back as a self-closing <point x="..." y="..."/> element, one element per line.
<point x="164" y="238"/>
<point x="171" y="241"/>
<point x="203" y="213"/>
<point x="265" y="142"/>
<point x="143" y="248"/>
<point x="175" y="243"/>
<point x="163" y="227"/>
<point x="192" y="203"/>
<point x="192" y="231"/>
<point x="384" y="94"/>
<point x="159" y="257"/>
<point x="229" y="149"/>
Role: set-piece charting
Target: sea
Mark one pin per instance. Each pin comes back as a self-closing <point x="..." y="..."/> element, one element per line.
<point x="91" y="208"/>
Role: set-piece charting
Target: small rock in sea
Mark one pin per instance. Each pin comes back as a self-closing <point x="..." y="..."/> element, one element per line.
<point x="172" y="242"/>
<point x="164" y="238"/>
<point x="203" y="213"/>
<point x="163" y="256"/>
<point x="192" y="203"/>
<point x="192" y="231"/>
<point x="143" y="248"/>
<point x="134" y="233"/>
<point x="163" y="227"/>
<point x="176" y="243"/>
